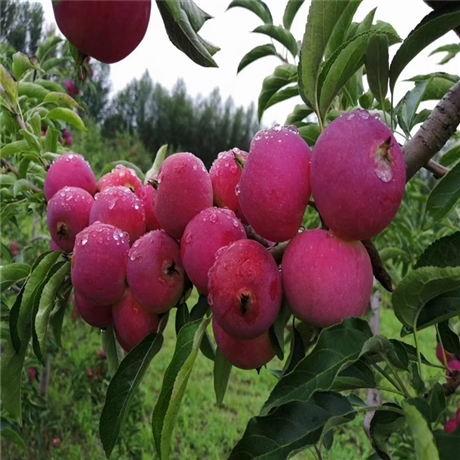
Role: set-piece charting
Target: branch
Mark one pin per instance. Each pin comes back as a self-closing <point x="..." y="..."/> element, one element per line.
<point x="434" y="132"/>
<point x="436" y="169"/>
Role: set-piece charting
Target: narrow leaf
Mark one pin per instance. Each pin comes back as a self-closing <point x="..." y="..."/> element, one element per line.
<point x="358" y="375"/>
<point x="11" y="274"/>
<point x="444" y="252"/>
<point x="432" y="27"/>
<point x="281" y="35"/>
<point x="9" y="85"/>
<point x="182" y="316"/>
<point x="450" y="157"/>
<point x="112" y="349"/>
<point x="296" y="352"/>
<point x="174" y="384"/>
<point x="60" y="99"/>
<point x="322" y="18"/>
<point x="32" y="90"/>
<point x="448" y="444"/>
<point x="445" y="195"/>
<point x="67" y="116"/>
<point x="377" y="66"/>
<point x="222" y="370"/>
<point x="283" y="95"/>
<point x="109" y="166"/>
<point x="159" y="158"/>
<point x="422" y="437"/>
<point x="256" y="53"/>
<point x="419" y="287"/>
<point x="255" y="6"/>
<point x="300" y="112"/>
<point x="292" y="7"/>
<point x="57" y="315"/>
<point x="337" y="347"/>
<point x="9" y="433"/>
<point x="14" y="147"/>
<point x="122" y="387"/>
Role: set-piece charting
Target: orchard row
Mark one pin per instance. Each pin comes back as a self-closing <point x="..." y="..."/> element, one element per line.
<point x="135" y="246"/>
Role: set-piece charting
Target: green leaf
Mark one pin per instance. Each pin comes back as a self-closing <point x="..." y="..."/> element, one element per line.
<point x="182" y="316"/>
<point x="281" y="35"/>
<point x="174" y="384"/>
<point x="445" y="195"/>
<point x="292" y="427"/>
<point x="339" y="68"/>
<point x="283" y="95"/>
<point x="388" y="30"/>
<point x="383" y="424"/>
<point x="22" y="63"/>
<point x="51" y="63"/>
<point x="337" y="348"/>
<point x="9" y="85"/>
<point x="450" y="340"/>
<point x="60" y="99"/>
<point x="422" y="437"/>
<point x="51" y="139"/>
<point x="67" y="116"/>
<point x="109" y="166"/>
<point x="358" y="375"/>
<point x="282" y="75"/>
<point x="420" y="286"/>
<point x="50" y="85"/>
<point x="32" y="292"/>
<point x="112" y="349"/>
<point x="159" y="158"/>
<point x="122" y="387"/>
<point x="221" y="373"/>
<point x="451" y="50"/>
<point x="437" y="402"/>
<point x="300" y="112"/>
<point x="277" y="330"/>
<point x="8" y="432"/>
<point x="11" y="274"/>
<point x="47" y="45"/>
<point x="432" y="27"/>
<point x="46" y="305"/>
<point x="339" y="34"/>
<point x="377" y="66"/>
<point x="181" y="22"/>
<point x="450" y="157"/>
<point x="198" y="311"/>
<point x="256" y="6"/>
<point x="57" y="315"/>
<point x="292" y="7"/>
<point x="256" y="53"/>
<point x="448" y="444"/>
<point x="444" y="252"/>
<point x="296" y="352"/>
<point x="322" y="18"/>
<point x="310" y="133"/>
<point x="32" y="90"/>
<point x="14" y="147"/>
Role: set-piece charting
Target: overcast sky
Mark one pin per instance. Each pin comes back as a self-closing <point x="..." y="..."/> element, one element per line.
<point x="231" y="31"/>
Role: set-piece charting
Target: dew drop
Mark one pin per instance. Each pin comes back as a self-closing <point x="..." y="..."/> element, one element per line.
<point x="84" y="241"/>
<point x="237" y="189"/>
<point x="195" y="167"/>
<point x="236" y="224"/>
<point x="351" y="116"/>
<point x="293" y="129"/>
<point x="188" y="238"/>
<point x="213" y="218"/>
<point x="258" y="136"/>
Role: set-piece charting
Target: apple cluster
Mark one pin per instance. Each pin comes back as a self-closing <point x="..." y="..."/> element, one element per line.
<point x="135" y="246"/>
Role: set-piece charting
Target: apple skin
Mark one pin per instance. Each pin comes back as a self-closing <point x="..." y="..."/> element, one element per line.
<point x="244" y="354"/>
<point x="326" y="279"/>
<point x="107" y="30"/>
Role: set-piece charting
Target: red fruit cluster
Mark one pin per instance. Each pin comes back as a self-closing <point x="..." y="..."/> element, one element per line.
<point x="135" y="245"/>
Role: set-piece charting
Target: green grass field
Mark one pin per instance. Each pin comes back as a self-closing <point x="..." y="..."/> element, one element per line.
<point x="203" y="431"/>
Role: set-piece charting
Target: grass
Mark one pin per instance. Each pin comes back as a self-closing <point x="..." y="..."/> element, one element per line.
<point x="202" y="430"/>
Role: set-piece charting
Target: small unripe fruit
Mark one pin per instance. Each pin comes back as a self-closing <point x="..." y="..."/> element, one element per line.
<point x="225" y="175"/>
<point x="98" y="268"/>
<point x="147" y="195"/>
<point x="154" y="272"/>
<point x="132" y="323"/>
<point x="358" y="176"/>
<point x="72" y="170"/>
<point x="184" y="189"/>
<point x="244" y="289"/>
<point x="275" y="184"/>
<point x="244" y="354"/>
<point x="95" y="315"/>
<point x="118" y="206"/>
<point x="326" y="279"/>
<point x="121" y="175"/>
<point x="205" y="234"/>
<point x="68" y="214"/>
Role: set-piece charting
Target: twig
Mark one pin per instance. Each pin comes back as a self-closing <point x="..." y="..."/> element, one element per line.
<point x="10" y="167"/>
<point x="434" y="132"/>
<point x="436" y="169"/>
<point x="253" y="235"/>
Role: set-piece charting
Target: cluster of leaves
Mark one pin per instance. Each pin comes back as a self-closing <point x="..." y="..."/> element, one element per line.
<point x="315" y="391"/>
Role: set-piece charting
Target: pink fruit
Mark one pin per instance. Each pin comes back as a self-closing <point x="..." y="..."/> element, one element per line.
<point x="56" y="442"/>
<point x="118" y="206"/>
<point x="443" y="356"/>
<point x="147" y="196"/>
<point x="121" y="175"/>
<point x="358" y="176"/>
<point x="71" y="170"/>
<point x="31" y="374"/>
<point x="98" y="267"/>
<point x="245" y="354"/>
<point x="453" y="365"/>
<point x="154" y="272"/>
<point x="451" y="425"/>
<point x="54" y="246"/>
<point x="205" y="234"/>
<point x="132" y="323"/>
<point x="101" y="354"/>
<point x="184" y="189"/>
<point x="95" y="315"/>
<point x="225" y="175"/>
<point x="244" y="289"/>
<point x="275" y="184"/>
<point x="15" y="248"/>
<point x="326" y="279"/>
<point x="68" y="214"/>
<point x="71" y="89"/>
